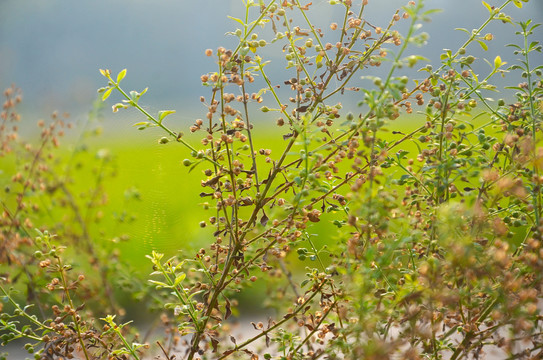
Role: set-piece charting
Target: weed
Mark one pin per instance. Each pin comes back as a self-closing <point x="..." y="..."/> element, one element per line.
<point x="438" y="252"/>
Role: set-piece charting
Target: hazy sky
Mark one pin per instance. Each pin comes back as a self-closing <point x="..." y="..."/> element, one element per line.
<point x="53" y="49"/>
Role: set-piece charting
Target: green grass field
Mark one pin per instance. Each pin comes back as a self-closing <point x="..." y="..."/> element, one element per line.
<point x="153" y="201"/>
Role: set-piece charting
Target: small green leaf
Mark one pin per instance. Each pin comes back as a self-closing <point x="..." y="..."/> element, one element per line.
<point x="106" y="94"/>
<point x="141" y="123"/>
<point x="431" y="11"/>
<point x="464" y="30"/>
<point x="162" y="114"/>
<point x="136" y="346"/>
<point x="179" y="279"/>
<point x="237" y="20"/>
<point x="518" y="3"/>
<point x="488" y="7"/>
<point x="483" y="45"/>
<point x="261" y="92"/>
<point x="497" y="61"/>
<point x="134" y="96"/>
<point x="121" y="75"/>
<point x="159" y="284"/>
<point x="122" y="351"/>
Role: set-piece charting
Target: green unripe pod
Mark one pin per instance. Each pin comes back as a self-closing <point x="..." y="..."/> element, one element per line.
<point x="187" y="162"/>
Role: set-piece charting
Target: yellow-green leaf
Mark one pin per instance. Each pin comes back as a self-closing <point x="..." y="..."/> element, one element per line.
<point x="497" y="61"/>
<point x="483" y="45"/>
<point x="121" y="75"/>
<point x="488" y="7"/>
<point x="106" y="94"/>
<point x="162" y="114"/>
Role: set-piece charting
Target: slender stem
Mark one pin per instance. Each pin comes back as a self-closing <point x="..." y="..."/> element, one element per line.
<point x="250" y="135"/>
<point x="65" y="288"/>
<point x="279" y="323"/>
<point x="32" y="319"/>
<point x="536" y="191"/>
<point x="159" y="123"/>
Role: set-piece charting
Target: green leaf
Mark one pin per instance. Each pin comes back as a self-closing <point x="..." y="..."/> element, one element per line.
<point x="195" y="165"/>
<point x="483" y="45"/>
<point x="141" y="123"/>
<point x="464" y="30"/>
<point x="179" y="279"/>
<point x="488" y="7"/>
<point x="261" y="92"/>
<point x="431" y="11"/>
<point x="518" y="3"/>
<point x="136" y="346"/>
<point x="162" y="114"/>
<point x="121" y="75"/>
<point x="497" y="61"/>
<point x="238" y="20"/>
<point x="533" y="44"/>
<point x="106" y="94"/>
<point x="134" y="96"/>
<point x="122" y="351"/>
<point x="159" y="284"/>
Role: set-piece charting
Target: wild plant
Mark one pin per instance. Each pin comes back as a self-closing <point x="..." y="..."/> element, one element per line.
<point x="39" y="193"/>
<point x="430" y="266"/>
<point x="438" y="251"/>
